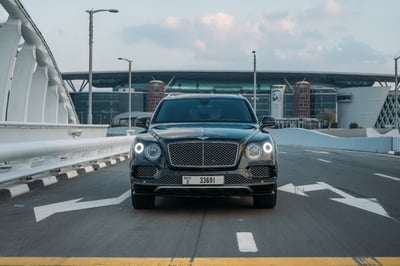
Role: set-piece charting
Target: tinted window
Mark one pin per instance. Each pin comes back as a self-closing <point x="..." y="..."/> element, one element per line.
<point x="204" y="110"/>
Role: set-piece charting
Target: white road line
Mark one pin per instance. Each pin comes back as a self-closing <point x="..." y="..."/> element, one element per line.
<point x="321" y="152"/>
<point x="325" y="161"/>
<point x="246" y="242"/>
<point x="387" y="176"/>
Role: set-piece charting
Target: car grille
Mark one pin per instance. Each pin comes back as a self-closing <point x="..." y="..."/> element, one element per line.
<point x="144" y="171"/>
<point x="203" y="154"/>
<point x="261" y="171"/>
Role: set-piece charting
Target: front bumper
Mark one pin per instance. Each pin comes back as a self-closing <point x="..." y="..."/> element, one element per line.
<point x="237" y="182"/>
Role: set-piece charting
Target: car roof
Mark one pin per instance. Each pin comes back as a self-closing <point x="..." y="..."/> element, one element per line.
<point x="203" y="96"/>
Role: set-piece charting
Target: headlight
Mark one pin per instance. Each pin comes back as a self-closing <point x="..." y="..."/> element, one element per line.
<point x="152" y="151"/>
<point x="267" y="147"/>
<point x="253" y="151"/>
<point x="139" y="147"/>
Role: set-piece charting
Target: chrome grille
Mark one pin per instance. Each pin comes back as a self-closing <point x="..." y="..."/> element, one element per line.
<point x="203" y="154"/>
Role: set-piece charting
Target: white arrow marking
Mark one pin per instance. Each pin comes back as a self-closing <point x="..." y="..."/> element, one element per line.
<point x="367" y="204"/>
<point x="300" y="190"/>
<point x="371" y="204"/>
<point x="42" y="212"/>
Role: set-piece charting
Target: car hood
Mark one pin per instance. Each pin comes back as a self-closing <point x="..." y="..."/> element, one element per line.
<point x="237" y="133"/>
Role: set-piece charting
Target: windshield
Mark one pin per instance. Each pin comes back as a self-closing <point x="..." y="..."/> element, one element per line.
<point x="204" y="110"/>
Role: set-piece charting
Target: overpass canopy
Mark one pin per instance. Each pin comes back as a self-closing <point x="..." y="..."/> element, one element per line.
<point x="229" y="79"/>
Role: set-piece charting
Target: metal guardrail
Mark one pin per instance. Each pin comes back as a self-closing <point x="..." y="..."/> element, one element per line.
<point x="25" y="159"/>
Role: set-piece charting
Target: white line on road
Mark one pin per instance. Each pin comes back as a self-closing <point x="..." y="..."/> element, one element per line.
<point x="246" y="242"/>
<point x="387" y="176"/>
<point x="325" y="161"/>
<point x="321" y="152"/>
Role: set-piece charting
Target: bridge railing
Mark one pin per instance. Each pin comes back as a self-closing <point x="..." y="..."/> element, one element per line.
<point x="30" y="149"/>
<point x="25" y="159"/>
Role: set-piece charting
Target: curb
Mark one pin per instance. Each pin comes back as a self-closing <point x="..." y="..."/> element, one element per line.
<point x="15" y="190"/>
<point x="394" y="153"/>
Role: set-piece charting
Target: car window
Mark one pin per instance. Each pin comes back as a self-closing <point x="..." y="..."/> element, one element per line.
<point x="204" y="110"/>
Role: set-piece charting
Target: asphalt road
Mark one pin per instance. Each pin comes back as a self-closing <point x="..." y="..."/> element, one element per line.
<point x="331" y="203"/>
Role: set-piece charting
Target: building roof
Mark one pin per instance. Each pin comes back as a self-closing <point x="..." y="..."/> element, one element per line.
<point x="115" y="79"/>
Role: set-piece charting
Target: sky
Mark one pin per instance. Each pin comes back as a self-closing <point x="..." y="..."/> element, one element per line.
<point x="357" y="36"/>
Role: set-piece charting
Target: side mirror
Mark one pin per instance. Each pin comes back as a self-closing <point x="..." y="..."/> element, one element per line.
<point x="141" y="122"/>
<point x="267" y="122"/>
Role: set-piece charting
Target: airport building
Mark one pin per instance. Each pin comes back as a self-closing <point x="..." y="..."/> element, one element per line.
<point x="293" y="98"/>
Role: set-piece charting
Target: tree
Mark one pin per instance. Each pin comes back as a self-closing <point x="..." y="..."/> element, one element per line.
<point x="327" y="115"/>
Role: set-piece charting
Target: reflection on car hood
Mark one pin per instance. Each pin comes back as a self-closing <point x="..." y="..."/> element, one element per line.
<point x="237" y="132"/>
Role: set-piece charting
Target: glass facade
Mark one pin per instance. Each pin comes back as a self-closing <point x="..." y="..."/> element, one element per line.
<point x="106" y="105"/>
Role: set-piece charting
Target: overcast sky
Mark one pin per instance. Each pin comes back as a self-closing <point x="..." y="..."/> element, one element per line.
<point x="288" y="35"/>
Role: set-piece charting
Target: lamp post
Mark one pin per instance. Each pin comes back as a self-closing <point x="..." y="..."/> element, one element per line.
<point x="129" y="81"/>
<point x="396" y="103"/>
<point x="91" y="12"/>
<point x="255" y="82"/>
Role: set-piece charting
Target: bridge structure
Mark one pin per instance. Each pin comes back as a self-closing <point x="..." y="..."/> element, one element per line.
<point x="39" y="128"/>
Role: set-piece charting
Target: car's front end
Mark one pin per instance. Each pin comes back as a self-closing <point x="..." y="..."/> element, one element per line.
<point x="203" y="159"/>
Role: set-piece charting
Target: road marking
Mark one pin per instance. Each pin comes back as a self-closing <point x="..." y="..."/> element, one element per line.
<point x="246" y="242"/>
<point x="387" y="176"/>
<point x="366" y="204"/>
<point x="248" y="261"/>
<point x="320" y="152"/>
<point x="42" y="212"/>
<point x="325" y="161"/>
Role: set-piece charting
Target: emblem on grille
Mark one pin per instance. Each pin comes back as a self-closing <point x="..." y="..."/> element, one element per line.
<point x="203" y="138"/>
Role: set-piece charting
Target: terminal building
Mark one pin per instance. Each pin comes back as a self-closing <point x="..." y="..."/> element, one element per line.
<point x="294" y="98"/>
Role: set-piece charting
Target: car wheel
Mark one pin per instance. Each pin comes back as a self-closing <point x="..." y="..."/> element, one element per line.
<point x="142" y="201"/>
<point x="265" y="201"/>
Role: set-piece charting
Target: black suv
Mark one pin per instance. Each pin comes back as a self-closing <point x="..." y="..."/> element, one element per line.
<point x="204" y="145"/>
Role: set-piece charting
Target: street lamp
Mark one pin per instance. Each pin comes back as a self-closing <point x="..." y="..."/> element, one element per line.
<point x="396" y="103"/>
<point x="130" y="78"/>
<point x="255" y="83"/>
<point x="91" y="12"/>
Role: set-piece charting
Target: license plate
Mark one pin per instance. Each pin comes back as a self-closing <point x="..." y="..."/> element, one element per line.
<point x="203" y="180"/>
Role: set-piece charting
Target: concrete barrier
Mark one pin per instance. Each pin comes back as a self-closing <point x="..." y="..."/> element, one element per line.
<point x="310" y="138"/>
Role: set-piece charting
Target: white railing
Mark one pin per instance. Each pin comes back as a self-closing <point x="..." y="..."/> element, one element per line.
<point x="24" y="159"/>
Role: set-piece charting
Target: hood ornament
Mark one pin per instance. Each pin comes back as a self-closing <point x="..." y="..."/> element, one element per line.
<point x="202" y="137"/>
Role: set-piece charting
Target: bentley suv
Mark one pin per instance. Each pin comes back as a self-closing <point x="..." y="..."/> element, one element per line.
<point x="204" y="145"/>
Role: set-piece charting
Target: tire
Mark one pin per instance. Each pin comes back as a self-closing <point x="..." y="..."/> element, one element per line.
<point x="265" y="201"/>
<point x="143" y="201"/>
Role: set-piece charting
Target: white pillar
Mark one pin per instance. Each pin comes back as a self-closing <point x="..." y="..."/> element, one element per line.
<point x="62" y="108"/>
<point x="10" y="35"/>
<point x="21" y="84"/>
<point x="36" y="105"/>
<point x="51" y="104"/>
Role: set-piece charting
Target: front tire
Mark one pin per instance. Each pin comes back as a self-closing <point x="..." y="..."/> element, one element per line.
<point x="265" y="201"/>
<point x="142" y="201"/>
